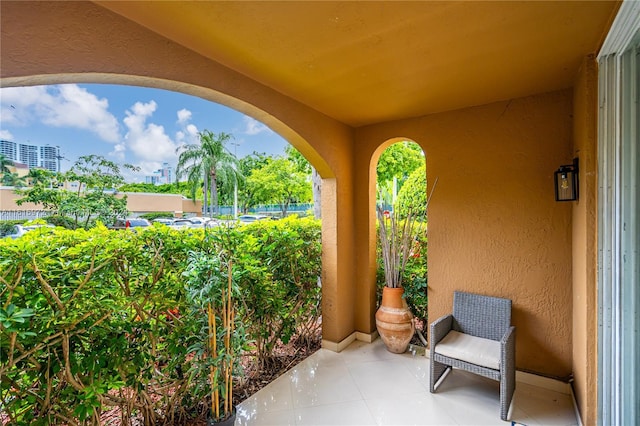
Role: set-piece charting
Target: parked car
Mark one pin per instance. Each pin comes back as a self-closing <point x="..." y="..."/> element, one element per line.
<point x="248" y="218"/>
<point x="19" y="230"/>
<point x="164" y="221"/>
<point x="131" y="223"/>
<point x="198" y="222"/>
<point x="182" y="224"/>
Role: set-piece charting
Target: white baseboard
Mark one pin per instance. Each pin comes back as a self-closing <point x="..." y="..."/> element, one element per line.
<point x="367" y="337"/>
<point x="339" y="346"/>
<point x="575" y="405"/>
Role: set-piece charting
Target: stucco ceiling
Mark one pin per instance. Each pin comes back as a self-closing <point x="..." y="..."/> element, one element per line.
<point x="367" y="62"/>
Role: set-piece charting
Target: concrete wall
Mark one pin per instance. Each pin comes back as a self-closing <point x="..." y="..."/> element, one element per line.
<point x="494" y="226"/>
<point x="143" y="203"/>
<point x="8" y="200"/>
<point x="136" y="203"/>
<point x="585" y="244"/>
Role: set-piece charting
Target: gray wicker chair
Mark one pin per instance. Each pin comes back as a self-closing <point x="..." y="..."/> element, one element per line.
<point x="454" y="342"/>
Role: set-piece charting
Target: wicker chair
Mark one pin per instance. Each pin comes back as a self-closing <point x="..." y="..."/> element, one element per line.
<point x="479" y="338"/>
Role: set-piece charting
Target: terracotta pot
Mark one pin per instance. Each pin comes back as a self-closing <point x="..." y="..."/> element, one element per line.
<point x="394" y="320"/>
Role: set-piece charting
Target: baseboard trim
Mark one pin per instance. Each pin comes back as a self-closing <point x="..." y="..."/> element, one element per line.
<point x="367" y="337"/>
<point x="575" y="405"/>
<point x="356" y="335"/>
<point x="339" y="346"/>
<point x="543" y="382"/>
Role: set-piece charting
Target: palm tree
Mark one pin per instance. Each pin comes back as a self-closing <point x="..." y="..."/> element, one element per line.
<point x="4" y="164"/>
<point x="39" y="176"/>
<point x="13" y="179"/>
<point x="209" y="159"/>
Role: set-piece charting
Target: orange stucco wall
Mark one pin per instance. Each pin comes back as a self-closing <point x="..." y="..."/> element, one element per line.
<point x="102" y="47"/>
<point x="585" y="326"/>
<point x="494" y="226"/>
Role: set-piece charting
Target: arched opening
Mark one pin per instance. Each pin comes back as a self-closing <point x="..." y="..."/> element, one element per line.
<point x="323" y="164"/>
<point x="398" y="177"/>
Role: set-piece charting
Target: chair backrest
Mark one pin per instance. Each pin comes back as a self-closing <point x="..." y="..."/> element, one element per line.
<point x="481" y="316"/>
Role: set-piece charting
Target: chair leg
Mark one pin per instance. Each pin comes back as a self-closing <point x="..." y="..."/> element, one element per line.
<point x="435" y="372"/>
<point x="507" y="387"/>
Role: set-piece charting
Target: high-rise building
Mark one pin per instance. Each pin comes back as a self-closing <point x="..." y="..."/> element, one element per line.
<point x="42" y="156"/>
<point x="161" y="176"/>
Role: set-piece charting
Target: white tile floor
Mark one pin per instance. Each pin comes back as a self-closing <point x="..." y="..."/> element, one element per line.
<point x="367" y="385"/>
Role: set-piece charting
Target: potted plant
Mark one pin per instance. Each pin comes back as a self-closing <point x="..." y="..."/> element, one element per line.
<point x="394" y="320"/>
<point x="212" y="291"/>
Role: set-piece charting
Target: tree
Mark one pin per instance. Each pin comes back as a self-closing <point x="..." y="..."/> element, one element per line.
<point x="413" y="195"/>
<point x="167" y="188"/>
<point x="210" y="161"/>
<point x="301" y="163"/>
<point x="279" y="182"/>
<point x="95" y="198"/>
<point x="304" y="166"/>
<point x="13" y="179"/>
<point x="4" y="164"/>
<point x="247" y="196"/>
<point x="40" y="176"/>
<point x="394" y="166"/>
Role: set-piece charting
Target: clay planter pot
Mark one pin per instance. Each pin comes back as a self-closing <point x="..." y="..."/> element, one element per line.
<point x="394" y="320"/>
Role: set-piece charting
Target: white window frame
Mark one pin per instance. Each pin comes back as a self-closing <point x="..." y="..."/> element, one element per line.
<point x="619" y="221"/>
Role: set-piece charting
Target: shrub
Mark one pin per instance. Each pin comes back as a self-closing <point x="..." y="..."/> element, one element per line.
<point x="6" y="226"/>
<point x="92" y="319"/>
<point x="281" y="264"/>
<point x="63" y="221"/>
<point x="157" y="215"/>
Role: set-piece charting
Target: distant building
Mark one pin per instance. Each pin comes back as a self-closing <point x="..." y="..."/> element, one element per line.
<point x="42" y="156"/>
<point x="161" y="176"/>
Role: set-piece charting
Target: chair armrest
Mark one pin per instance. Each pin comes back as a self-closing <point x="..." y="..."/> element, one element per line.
<point x="508" y="348"/>
<point x="439" y="329"/>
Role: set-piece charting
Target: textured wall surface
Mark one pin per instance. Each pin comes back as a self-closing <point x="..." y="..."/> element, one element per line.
<point x="494" y="226"/>
<point x="80" y="42"/>
<point x="585" y="244"/>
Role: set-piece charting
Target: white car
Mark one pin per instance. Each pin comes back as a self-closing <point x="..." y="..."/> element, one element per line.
<point x="198" y="222"/>
<point x="164" y="221"/>
<point x="19" y="230"/>
<point x="182" y="224"/>
<point x="248" y="218"/>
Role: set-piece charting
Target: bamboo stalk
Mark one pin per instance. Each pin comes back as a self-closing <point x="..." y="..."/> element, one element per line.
<point x="229" y="313"/>
<point x="215" y="398"/>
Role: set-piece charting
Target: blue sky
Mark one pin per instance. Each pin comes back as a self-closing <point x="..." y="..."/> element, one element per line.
<point x="126" y="124"/>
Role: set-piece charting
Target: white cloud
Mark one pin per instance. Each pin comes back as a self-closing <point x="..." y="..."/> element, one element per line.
<point x="189" y="132"/>
<point x="118" y="151"/>
<point x="253" y="126"/>
<point x="184" y="115"/>
<point x="65" y="105"/>
<point x="5" y="134"/>
<point x="192" y="130"/>
<point x="148" y="141"/>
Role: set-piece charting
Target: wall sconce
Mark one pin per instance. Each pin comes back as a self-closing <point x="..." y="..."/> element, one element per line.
<point x="566" y="179"/>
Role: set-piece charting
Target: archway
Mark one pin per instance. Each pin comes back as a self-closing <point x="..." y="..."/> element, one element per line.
<point x="398" y="189"/>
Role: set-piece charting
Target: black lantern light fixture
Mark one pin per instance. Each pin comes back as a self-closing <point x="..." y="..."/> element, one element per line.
<point x="566" y="180"/>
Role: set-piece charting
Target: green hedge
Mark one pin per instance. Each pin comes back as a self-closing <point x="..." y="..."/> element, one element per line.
<point x="94" y="319"/>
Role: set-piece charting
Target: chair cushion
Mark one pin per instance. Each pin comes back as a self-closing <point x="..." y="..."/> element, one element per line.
<point x="476" y="350"/>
